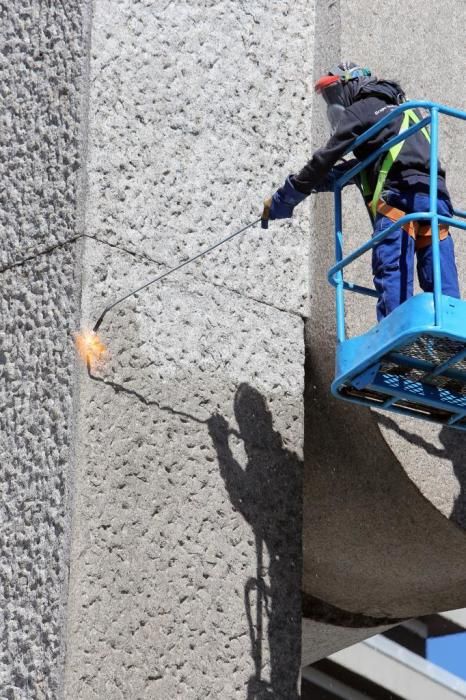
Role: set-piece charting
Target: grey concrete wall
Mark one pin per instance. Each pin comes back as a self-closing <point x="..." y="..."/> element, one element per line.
<point x="383" y="497"/>
<point x="186" y="555"/>
<point x="434" y="459"/>
<point x="187" y="522"/>
<point x="43" y="59"/>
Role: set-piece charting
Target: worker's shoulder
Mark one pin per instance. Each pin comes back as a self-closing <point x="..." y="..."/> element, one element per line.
<point x="370" y="109"/>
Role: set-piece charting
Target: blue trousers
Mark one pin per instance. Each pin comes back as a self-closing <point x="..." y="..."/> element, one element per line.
<point x="393" y="258"/>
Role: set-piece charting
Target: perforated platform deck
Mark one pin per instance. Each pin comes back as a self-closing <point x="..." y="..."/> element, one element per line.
<point x="422" y="375"/>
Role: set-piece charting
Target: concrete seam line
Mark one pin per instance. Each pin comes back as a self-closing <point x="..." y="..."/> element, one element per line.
<point x="82" y="197"/>
<point x="78" y="237"/>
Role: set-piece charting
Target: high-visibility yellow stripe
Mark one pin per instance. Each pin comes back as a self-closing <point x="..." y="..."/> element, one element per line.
<point x="392" y="155"/>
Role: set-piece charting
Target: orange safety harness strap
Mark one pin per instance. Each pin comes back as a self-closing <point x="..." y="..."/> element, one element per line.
<point x="419" y="230"/>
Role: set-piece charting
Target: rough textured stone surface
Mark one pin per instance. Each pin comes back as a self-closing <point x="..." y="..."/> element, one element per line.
<point x="434" y="459"/>
<point x="380" y="492"/>
<point x="186" y="548"/>
<point x="320" y="639"/>
<point x="40" y="149"/>
<point x="186" y="556"/>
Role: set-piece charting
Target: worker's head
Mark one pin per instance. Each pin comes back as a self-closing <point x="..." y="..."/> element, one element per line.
<point x="255" y="420"/>
<point x="348" y="82"/>
<point x="340" y="86"/>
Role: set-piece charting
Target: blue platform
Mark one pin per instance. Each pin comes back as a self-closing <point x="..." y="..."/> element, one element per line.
<point x="414" y="361"/>
<point x="407" y="364"/>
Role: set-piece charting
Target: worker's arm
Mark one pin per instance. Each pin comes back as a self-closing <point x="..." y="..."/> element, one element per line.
<point x="334" y="174"/>
<point x="318" y="175"/>
<point x="315" y="173"/>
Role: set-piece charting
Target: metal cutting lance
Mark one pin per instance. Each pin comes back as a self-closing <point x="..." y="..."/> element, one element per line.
<point x="108" y="308"/>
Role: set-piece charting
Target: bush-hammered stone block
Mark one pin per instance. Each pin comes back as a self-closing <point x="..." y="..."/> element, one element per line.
<point x="43" y="64"/>
<point x="185" y="567"/>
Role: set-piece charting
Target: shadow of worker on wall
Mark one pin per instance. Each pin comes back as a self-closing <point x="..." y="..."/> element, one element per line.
<point x="268" y="493"/>
<point x="453" y="449"/>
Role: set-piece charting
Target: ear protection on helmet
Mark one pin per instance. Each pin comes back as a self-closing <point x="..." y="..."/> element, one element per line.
<point x="343" y="73"/>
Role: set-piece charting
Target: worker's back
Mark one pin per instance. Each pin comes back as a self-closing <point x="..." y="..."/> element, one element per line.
<point x="411" y="167"/>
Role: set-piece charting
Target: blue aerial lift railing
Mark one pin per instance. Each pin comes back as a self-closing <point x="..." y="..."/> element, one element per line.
<point x="335" y="274"/>
<point x="414" y="361"/>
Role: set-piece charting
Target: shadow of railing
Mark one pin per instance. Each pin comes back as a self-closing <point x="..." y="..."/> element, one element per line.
<point x="453" y="449"/>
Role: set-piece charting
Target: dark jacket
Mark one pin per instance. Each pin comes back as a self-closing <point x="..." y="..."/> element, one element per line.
<point x="410" y="169"/>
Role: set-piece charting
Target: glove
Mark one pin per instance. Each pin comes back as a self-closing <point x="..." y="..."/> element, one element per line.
<point x="284" y="200"/>
<point x="282" y="203"/>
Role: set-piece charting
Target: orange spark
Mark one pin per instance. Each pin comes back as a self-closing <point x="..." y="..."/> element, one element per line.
<point x="89" y="346"/>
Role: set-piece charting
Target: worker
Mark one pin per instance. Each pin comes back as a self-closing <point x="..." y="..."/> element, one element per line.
<point x="396" y="184"/>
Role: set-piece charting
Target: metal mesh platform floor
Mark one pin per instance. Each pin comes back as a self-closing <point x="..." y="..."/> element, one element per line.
<point x="425" y="377"/>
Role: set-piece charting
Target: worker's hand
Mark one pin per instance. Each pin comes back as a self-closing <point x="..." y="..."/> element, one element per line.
<point x="218" y="428"/>
<point x="282" y="203"/>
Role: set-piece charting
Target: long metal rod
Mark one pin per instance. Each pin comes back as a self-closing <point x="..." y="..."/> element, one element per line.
<point x="433" y="197"/>
<point x="359" y="289"/>
<point x="427" y="367"/>
<point x="170" y="271"/>
<point x="404" y="395"/>
<point x="403" y="411"/>
<point x="448" y="363"/>
<point x="340" y="296"/>
<point x="454" y="223"/>
<point x="455" y="419"/>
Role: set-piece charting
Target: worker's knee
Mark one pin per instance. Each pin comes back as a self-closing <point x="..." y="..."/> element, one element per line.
<point x="449" y="273"/>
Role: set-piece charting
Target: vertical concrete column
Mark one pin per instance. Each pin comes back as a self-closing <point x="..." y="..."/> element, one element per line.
<point x="380" y="491"/>
<point x="186" y="551"/>
<point x="433" y="457"/>
<point x="43" y="62"/>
